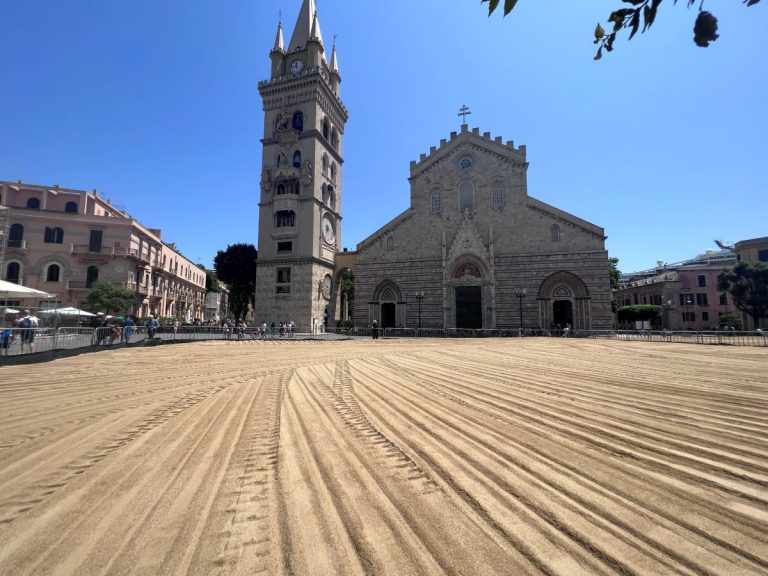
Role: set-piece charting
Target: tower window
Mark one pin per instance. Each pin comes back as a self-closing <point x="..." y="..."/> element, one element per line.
<point x="497" y="200"/>
<point x="333" y="172"/>
<point x="298" y="120"/>
<point x="335" y="139"/>
<point x="285" y="219"/>
<point x="53" y="272"/>
<point x="555" y="233"/>
<point x="466" y="196"/>
<point x="283" y="280"/>
<point x="390" y="244"/>
<point x="326" y="129"/>
<point x="70" y="207"/>
<point x="297" y="159"/>
<point x="33" y="203"/>
<point x="435" y="202"/>
<point x="325" y="164"/>
<point x="285" y="247"/>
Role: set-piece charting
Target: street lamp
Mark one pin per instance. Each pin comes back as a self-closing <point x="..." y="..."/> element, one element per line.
<point x="419" y="298"/>
<point x="520" y="293"/>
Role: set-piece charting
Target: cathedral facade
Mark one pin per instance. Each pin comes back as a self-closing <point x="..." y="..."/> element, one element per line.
<point x="473" y="250"/>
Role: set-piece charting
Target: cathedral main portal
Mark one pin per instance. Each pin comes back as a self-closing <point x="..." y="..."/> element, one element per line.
<point x="469" y="307"/>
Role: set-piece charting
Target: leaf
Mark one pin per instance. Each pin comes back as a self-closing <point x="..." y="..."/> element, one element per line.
<point x="599" y="53"/>
<point x="649" y="15"/>
<point x="599" y="32"/>
<point x="492" y="6"/>
<point x="634" y="2"/>
<point x="635" y="23"/>
<point x="508" y="6"/>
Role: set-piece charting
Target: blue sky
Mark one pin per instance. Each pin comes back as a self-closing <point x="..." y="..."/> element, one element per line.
<point x="155" y="104"/>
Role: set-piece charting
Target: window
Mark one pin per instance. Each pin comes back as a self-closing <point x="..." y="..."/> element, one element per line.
<point x="701" y="300"/>
<point x="53" y="272"/>
<point x="390" y="244"/>
<point x="12" y="272"/>
<point x="285" y="247"/>
<point x="71" y="207"/>
<point x="92" y="275"/>
<point x="702" y="281"/>
<point x="689" y="316"/>
<point x="297" y="159"/>
<point x="325" y="164"/>
<point x="15" y="236"/>
<point x="466" y="196"/>
<point x="705" y="316"/>
<point x="326" y="129"/>
<point x="283" y="281"/>
<point x="497" y="198"/>
<point x="435" y="204"/>
<point x="555" y="233"/>
<point x="298" y="120"/>
<point x="335" y="139"/>
<point x="285" y="218"/>
<point x="686" y="299"/>
<point x="33" y="203"/>
<point x="723" y="299"/>
<point x="656" y="299"/>
<point x="53" y="235"/>
<point x="762" y="255"/>
<point x="333" y="171"/>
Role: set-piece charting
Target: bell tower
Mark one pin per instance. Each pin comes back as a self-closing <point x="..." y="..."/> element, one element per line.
<point x="301" y="167"/>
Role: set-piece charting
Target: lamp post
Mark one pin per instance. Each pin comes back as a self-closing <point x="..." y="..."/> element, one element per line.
<point x="520" y="293"/>
<point x="419" y="298"/>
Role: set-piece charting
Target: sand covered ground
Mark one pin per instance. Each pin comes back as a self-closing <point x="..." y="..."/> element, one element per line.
<point x="518" y="456"/>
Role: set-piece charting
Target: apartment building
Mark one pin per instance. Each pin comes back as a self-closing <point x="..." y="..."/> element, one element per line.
<point x="61" y="241"/>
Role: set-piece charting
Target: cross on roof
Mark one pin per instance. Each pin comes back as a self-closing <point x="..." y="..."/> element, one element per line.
<point x="463" y="112"/>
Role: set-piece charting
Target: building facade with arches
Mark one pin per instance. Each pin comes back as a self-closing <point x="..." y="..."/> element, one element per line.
<point x="473" y="250"/>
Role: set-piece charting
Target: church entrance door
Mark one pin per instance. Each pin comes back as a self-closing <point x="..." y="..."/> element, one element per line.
<point x="469" y="308"/>
<point x="388" y="315"/>
<point x="562" y="312"/>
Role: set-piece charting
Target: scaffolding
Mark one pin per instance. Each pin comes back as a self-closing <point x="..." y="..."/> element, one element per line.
<point x="5" y="222"/>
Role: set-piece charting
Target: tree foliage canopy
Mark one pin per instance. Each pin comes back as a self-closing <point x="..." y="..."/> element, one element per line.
<point x="108" y="298"/>
<point x="236" y="267"/>
<point x="638" y="312"/>
<point x="615" y="272"/>
<point x="747" y="283"/>
<point x="641" y="12"/>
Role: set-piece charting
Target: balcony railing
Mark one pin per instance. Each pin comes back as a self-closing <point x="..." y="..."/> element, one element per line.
<point x="20" y="244"/>
<point x="88" y="249"/>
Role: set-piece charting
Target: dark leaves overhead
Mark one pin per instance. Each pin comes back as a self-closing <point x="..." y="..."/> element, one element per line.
<point x="641" y="12"/>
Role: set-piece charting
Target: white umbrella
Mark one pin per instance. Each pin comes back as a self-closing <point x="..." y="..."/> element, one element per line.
<point x="10" y="311"/>
<point x="10" y="290"/>
<point x="68" y="311"/>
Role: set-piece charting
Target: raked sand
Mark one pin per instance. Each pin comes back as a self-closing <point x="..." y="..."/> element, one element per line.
<point x="401" y="457"/>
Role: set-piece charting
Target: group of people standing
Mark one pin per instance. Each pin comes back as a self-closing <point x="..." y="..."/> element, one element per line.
<point x="22" y="328"/>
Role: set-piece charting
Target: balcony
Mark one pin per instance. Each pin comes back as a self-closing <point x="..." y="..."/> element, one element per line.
<point x="77" y="285"/>
<point x="86" y="252"/>
<point x="17" y="245"/>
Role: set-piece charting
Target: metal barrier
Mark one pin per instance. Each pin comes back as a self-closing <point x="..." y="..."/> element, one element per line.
<point x="17" y="341"/>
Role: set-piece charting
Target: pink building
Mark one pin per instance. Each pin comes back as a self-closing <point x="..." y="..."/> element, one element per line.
<point x="61" y="241"/>
<point x="686" y="291"/>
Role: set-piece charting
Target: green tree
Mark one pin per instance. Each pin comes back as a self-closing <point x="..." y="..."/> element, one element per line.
<point x="236" y="267"/>
<point x="638" y="312"/>
<point x="747" y="283"/>
<point x="615" y="272"/>
<point x="730" y="319"/>
<point x="108" y="298"/>
<point x="347" y="287"/>
<point x="641" y="12"/>
<point x="211" y="282"/>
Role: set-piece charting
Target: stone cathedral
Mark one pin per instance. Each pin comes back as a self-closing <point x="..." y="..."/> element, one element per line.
<point x="473" y="250"/>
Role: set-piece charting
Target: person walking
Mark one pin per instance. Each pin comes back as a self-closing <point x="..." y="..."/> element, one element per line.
<point x="375" y="330"/>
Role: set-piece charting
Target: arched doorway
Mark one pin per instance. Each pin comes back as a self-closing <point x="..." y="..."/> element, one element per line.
<point x="468" y="294"/>
<point x="469" y="307"/>
<point x="564" y="300"/>
<point x="388" y="314"/>
<point x="387" y="307"/>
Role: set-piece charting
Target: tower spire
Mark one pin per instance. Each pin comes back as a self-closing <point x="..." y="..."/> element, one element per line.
<point x="334" y="66"/>
<point x="307" y="26"/>
<point x="279" y="38"/>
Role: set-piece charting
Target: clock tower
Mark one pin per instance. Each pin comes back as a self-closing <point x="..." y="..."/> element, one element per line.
<point x="300" y="201"/>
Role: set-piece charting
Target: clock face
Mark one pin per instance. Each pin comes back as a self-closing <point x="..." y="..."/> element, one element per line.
<point x="327" y="284"/>
<point x="296" y="67"/>
<point x="329" y="234"/>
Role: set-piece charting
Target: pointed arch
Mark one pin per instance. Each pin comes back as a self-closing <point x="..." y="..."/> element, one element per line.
<point x="554" y="232"/>
<point x="563" y="284"/>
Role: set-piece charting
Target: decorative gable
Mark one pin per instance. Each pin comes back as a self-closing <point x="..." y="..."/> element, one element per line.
<point x="468" y="241"/>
